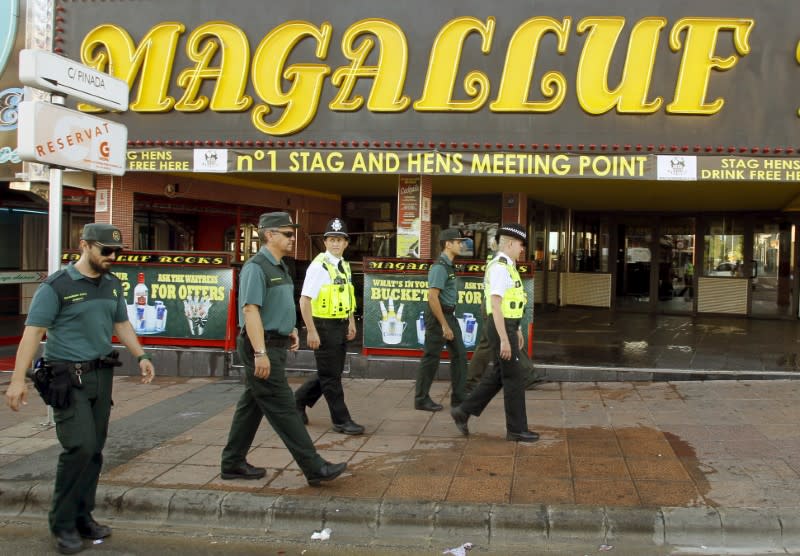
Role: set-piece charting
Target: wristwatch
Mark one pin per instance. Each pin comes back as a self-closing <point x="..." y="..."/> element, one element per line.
<point x="258" y="353"/>
<point x="144" y="356"/>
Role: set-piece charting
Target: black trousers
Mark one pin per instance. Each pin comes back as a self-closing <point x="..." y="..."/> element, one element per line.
<point x="508" y="375"/>
<point x="330" y="358"/>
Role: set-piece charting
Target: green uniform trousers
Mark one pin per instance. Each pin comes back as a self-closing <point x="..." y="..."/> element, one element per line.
<point x="271" y="398"/>
<point x="434" y="339"/>
<point x="81" y="429"/>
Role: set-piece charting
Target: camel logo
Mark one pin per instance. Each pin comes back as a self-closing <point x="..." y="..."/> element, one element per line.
<point x="211" y="160"/>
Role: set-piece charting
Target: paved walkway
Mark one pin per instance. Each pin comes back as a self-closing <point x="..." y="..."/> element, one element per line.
<point x="684" y="463"/>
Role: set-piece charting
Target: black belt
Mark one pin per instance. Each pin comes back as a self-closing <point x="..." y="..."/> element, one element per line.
<point x="273" y="339"/>
<point x="448" y="309"/>
<point x="332" y="320"/>
<point x="87" y="366"/>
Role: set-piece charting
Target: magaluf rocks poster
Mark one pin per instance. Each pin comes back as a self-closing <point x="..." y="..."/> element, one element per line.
<point x="177" y="302"/>
<point x="174" y="295"/>
<point x="396" y="296"/>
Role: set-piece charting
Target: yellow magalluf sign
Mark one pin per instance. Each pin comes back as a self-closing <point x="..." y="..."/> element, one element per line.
<point x="556" y="70"/>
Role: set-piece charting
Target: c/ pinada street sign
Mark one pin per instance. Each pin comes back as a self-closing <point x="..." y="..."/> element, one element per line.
<point x="42" y="69"/>
<point x="51" y="134"/>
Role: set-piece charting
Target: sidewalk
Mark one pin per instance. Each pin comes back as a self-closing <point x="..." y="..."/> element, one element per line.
<point x="685" y="464"/>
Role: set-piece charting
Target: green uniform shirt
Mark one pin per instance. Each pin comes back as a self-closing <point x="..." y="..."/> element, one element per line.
<point x="276" y="302"/>
<point x="78" y="314"/>
<point x="443" y="277"/>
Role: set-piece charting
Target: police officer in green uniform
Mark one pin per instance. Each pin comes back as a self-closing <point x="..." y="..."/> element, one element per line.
<point x="79" y="307"/>
<point x="441" y="326"/>
<point x="267" y="318"/>
<point x="327" y="303"/>
<point x="505" y="305"/>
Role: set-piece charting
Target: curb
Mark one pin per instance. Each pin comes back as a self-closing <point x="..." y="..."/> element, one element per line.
<point x="428" y="524"/>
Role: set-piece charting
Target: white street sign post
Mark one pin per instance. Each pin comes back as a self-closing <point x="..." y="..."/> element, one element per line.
<point x="45" y="70"/>
<point x="58" y="136"/>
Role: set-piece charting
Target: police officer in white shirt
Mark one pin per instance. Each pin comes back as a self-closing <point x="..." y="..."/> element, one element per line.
<point x="327" y="303"/>
<point x="505" y="304"/>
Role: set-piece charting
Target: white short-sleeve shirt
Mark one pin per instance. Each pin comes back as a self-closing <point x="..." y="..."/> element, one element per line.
<point x="499" y="276"/>
<point x="317" y="276"/>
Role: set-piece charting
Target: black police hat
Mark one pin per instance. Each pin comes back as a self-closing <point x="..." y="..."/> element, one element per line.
<point x="513" y="230"/>
<point x="336" y="227"/>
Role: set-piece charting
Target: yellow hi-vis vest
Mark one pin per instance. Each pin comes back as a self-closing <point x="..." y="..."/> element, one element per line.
<point x="336" y="300"/>
<point x="514" y="298"/>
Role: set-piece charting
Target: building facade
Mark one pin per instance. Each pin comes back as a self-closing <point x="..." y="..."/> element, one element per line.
<point x="650" y="146"/>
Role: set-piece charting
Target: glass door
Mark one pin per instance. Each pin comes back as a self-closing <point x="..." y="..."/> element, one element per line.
<point x="676" y="265"/>
<point x="634" y="261"/>
<point x="771" y="268"/>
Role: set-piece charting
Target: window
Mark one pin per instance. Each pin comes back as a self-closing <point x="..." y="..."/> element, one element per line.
<point x="724" y="247"/>
<point x="590" y="244"/>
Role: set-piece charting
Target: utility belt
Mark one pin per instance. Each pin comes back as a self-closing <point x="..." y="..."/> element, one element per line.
<point x="338" y="320"/>
<point x="54" y="379"/>
<point x="448" y="309"/>
<point x="271" y="339"/>
<point x="79" y="367"/>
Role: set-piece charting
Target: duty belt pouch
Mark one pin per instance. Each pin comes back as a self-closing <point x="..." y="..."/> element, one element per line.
<point x="76" y="371"/>
<point x="110" y="360"/>
<point x="41" y="375"/>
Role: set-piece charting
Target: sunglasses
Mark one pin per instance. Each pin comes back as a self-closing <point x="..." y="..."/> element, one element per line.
<point x="290" y="235"/>
<point x="107" y="251"/>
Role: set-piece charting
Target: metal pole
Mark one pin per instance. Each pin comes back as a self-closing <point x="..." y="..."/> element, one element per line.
<point x="55" y="199"/>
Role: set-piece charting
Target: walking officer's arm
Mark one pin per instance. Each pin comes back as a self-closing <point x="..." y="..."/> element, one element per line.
<point x="500" y="325"/>
<point x="17" y="392"/>
<point x="436" y="308"/>
<point x="255" y="333"/>
<point x="312" y="336"/>
<point x="124" y="331"/>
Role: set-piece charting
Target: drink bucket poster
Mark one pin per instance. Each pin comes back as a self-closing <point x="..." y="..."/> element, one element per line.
<point x="396" y="296"/>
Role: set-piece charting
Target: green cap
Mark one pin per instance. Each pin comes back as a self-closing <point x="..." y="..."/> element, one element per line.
<point x="450" y="234"/>
<point x="276" y="220"/>
<point x="102" y="234"/>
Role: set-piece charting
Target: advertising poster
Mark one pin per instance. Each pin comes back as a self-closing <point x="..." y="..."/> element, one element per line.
<point x="409" y="209"/>
<point x="177" y="302"/>
<point x="395" y="300"/>
<point x="174" y="296"/>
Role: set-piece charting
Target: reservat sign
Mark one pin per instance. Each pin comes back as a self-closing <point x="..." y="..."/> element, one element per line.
<point x="54" y="135"/>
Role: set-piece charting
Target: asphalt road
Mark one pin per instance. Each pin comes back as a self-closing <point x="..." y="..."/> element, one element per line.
<point x="30" y="538"/>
